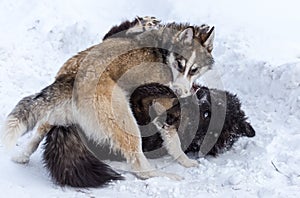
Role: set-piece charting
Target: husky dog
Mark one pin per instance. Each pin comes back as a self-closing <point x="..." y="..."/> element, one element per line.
<point x="82" y="163"/>
<point x="91" y="90"/>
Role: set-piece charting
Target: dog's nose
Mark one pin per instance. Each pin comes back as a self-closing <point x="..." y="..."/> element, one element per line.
<point x="180" y="91"/>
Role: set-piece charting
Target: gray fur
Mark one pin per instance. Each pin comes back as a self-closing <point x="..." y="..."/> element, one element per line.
<point x="88" y="92"/>
<point x="53" y="100"/>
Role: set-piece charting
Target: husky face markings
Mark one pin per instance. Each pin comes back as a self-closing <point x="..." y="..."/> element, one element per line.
<point x="185" y="72"/>
<point x="188" y="67"/>
<point x="196" y="40"/>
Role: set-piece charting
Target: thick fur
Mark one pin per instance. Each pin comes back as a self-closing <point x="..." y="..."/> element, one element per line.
<point x="71" y="163"/>
<point x="192" y="132"/>
<point x="132" y="28"/>
<point x="235" y="124"/>
<point x="204" y="33"/>
<point x="54" y="99"/>
<point x="183" y="73"/>
<point x="102" y="77"/>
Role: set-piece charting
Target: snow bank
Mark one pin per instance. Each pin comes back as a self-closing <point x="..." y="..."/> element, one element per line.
<point x="257" y="53"/>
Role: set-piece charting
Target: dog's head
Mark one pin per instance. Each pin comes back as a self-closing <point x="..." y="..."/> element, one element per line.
<point x="234" y="121"/>
<point x="190" y="55"/>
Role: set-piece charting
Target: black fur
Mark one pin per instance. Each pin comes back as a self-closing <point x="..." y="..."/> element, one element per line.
<point x="118" y="29"/>
<point x="142" y="98"/>
<point x="184" y="113"/>
<point x="234" y="126"/>
<point x="71" y="163"/>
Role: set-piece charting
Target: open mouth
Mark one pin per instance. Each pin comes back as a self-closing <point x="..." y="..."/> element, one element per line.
<point x="194" y="88"/>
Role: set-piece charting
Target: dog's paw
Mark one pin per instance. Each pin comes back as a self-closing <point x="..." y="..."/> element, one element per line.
<point x="156" y="173"/>
<point x="187" y="162"/>
<point x="20" y="158"/>
<point x="148" y="21"/>
<point x="190" y="163"/>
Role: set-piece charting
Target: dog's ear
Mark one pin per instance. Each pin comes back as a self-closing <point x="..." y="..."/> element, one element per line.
<point x="187" y="35"/>
<point x="207" y="39"/>
<point x="249" y="131"/>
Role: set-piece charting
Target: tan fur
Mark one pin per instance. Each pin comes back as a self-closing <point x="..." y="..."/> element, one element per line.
<point x="107" y="111"/>
<point x="162" y="104"/>
<point x="113" y="112"/>
<point x="104" y="74"/>
<point x="72" y="65"/>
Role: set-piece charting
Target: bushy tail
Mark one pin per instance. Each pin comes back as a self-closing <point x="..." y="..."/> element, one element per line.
<point x="22" y="119"/>
<point x="31" y="109"/>
<point x="71" y="163"/>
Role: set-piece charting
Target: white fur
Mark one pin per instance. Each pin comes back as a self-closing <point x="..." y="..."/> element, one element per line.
<point x="60" y="115"/>
<point x="13" y="128"/>
<point x="182" y="82"/>
<point x="172" y="143"/>
<point x="23" y="156"/>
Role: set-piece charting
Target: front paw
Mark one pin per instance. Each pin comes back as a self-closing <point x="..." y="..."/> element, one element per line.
<point x="20" y="158"/>
<point x="149" y="21"/>
<point x="187" y="162"/>
<point x="157" y="173"/>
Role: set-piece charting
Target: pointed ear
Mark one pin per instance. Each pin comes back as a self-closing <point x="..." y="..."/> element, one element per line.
<point x="187" y="35"/>
<point x="249" y="130"/>
<point x="208" y="39"/>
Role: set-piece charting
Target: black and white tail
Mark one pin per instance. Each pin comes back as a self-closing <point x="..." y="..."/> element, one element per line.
<point x="71" y="163"/>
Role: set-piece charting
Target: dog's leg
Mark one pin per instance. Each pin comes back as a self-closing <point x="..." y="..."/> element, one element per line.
<point x="124" y="133"/>
<point x="130" y="146"/>
<point x="172" y="143"/>
<point x="125" y="136"/>
<point x="23" y="156"/>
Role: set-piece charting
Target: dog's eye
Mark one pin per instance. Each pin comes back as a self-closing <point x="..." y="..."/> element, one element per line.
<point x="180" y="66"/>
<point x="193" y="70"/>
<point x="206" y="115"/>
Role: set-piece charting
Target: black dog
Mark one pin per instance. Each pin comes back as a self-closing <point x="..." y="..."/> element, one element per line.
<point x="209" y="123"/>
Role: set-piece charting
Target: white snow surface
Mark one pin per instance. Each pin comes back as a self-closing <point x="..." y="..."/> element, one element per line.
<point x="257" y="54"/>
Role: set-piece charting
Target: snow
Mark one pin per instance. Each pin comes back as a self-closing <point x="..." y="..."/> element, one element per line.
<point x="257" y="53"/>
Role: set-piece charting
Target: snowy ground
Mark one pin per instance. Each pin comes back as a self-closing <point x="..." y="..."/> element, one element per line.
<point x="257" y="53"/>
